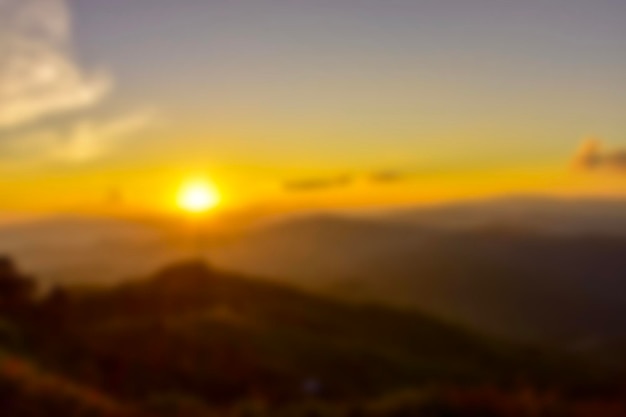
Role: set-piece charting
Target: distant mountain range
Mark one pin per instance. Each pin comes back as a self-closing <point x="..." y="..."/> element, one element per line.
<point x="529" y="214"/>
<point x="536" y="287"/>
<point x="90" y="250"/>
<point x="529" y="269"/>
<point x="539" y="270"/>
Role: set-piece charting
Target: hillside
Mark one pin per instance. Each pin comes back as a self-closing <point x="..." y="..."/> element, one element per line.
<point x="528" y="286"/>
<point x="222" y="336"/>
<point x="540" y="215"/>
<point x="28" y="391"/>
<point x="191" y="340"/>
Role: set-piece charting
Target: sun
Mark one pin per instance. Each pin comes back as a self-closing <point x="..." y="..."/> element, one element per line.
<point x="198" y="197"/>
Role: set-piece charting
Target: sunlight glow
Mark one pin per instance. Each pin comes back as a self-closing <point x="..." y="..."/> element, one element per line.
<point x="198" y="197"/>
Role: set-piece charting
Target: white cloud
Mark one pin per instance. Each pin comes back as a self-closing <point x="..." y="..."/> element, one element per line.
<point x="38" y="74"/>
<point x="83" y="141"/>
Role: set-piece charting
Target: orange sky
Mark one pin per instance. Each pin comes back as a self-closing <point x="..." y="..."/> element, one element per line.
<point x="294" y="107"/>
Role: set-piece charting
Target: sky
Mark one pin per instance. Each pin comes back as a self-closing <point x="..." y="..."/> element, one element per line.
<point x="109" y="106"/>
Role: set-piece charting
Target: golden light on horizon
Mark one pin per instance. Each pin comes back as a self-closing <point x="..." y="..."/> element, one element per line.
<point x="198" y="196"/>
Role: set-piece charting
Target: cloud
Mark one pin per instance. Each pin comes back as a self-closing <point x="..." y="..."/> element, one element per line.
<point x="389" y="176"/>
<point x="382" y="177"/>
<point x="315" y="184"/>
<point x="83" y="141"/>
<point x="38" y="74"/>
<point x="592" y="156"/>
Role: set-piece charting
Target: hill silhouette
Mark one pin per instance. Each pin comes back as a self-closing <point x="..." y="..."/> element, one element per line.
<point x="223" y="336"/>
<point x="192" y="340"/>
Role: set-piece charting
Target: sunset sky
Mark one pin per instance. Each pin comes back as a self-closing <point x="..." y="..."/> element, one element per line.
<point x="109" y="106"/>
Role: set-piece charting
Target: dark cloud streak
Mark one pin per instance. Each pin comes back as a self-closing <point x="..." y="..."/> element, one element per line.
<point x="592" y="156"/>
<point x="315" y="184"/>
<point x="389" y="176"/>
<point x="382" y="177"/>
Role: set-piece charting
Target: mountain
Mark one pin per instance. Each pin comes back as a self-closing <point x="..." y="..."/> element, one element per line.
<point x="551" y="288"/>
<point x="221" y="337"/>
<point x="540" y="215"/>
<point x="530" y="269"/>
<point x="318" y="250"/>
<point x="90" y="250"/>
<point x="192" y="340"/>
<point x="75" y="249"/>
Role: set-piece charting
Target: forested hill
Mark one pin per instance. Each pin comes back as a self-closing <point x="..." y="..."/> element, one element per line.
<point x="196" y="337"/>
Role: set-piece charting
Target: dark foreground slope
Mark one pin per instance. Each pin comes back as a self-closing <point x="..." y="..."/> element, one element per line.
<point x="224" y="337"/>
<point x="192" y="341"/>
<point x="26" y="390"/>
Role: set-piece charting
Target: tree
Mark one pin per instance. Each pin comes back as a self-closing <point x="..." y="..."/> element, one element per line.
<point x="16" y="290"/>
